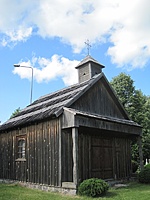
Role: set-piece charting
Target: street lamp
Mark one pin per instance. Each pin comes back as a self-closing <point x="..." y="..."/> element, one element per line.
<point x="18" y="65"/>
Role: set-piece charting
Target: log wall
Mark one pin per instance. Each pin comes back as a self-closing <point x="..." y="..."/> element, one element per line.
<point x="42" y="154"/>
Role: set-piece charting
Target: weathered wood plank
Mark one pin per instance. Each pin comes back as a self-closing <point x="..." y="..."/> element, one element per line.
<point x="60" y="154"/>
<point x="104" y="104"/>
<point x="75" y="155"/>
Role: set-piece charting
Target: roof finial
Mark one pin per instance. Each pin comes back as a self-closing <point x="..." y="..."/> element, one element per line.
<point x="88" y="46"/>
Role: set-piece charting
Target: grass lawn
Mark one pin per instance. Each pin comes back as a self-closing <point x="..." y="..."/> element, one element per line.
<point x="134" y="191"/>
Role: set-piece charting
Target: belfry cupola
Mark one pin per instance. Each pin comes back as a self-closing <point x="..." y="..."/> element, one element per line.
<point x="88" y="68"/>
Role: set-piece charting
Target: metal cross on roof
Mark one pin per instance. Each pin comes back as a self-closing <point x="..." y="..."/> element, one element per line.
<point x="88" y="46"/>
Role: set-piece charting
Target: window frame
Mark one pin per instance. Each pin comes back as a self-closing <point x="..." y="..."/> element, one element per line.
<point x="21" y="148"/>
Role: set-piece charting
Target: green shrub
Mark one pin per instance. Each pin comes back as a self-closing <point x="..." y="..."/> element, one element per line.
<point x="93" y="187"/>
<point x="144" y="175"/>
<point x="147" y="166"/>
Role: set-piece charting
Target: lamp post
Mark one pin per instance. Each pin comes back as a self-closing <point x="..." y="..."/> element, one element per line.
<point x="18" y="65"/>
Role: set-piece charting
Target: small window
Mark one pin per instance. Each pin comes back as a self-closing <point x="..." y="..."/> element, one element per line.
<point x="21" y="147"/>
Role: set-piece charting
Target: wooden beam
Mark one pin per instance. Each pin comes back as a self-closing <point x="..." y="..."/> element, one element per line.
<point x="75" y="154"/>
<point x="60" y="154"/>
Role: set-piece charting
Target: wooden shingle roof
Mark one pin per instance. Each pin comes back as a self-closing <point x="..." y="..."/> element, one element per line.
<point x="49" y="106"/>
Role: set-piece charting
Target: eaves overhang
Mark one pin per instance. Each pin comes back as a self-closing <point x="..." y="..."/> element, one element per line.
<point x="75" y="118"/>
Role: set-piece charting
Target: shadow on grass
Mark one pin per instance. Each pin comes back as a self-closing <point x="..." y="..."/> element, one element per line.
<point x="110" y="194"/>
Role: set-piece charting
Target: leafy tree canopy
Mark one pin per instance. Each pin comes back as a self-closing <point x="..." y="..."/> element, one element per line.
<point x="123" y="86"/>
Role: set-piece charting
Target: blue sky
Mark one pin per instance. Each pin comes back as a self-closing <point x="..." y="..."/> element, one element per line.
<point x="49" y="36"/>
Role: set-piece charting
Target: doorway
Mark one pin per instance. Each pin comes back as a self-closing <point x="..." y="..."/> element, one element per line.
<point x="102" y="157"/>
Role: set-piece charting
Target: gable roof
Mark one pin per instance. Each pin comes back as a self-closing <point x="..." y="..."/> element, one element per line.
<point x="51" y="105"/>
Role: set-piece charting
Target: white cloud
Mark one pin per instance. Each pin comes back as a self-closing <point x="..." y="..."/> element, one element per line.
<point x="125" y="24"/>
<point x="14" y="36"/>
<point x="49" y="69"/>
<point x="131" y="45"/>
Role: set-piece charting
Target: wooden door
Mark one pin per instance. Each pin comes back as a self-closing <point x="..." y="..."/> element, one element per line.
<point x="101" y="158"/>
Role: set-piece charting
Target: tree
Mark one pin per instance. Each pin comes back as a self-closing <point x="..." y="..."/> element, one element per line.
<point x="123" y="86"/>
<point x="138" y="107"/>
<point x="146" y="122"/>
<point x="132" y="99"/>
<point x="15" y="112"/>
<point x="146" y="129"/>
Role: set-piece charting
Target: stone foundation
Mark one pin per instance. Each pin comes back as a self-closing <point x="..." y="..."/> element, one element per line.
<point x="63" y="190"/>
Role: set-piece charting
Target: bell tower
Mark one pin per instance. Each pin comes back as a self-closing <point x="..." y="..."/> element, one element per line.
<point x="88" y="68"/>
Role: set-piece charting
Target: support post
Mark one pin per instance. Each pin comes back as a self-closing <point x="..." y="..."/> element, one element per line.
<point x="140" y="152"/>
<point x="75" y="155"/>
<point x="60" y="155"/>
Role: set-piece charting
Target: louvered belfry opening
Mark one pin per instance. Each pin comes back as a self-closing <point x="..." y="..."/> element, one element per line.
<point x="88" y="68"/>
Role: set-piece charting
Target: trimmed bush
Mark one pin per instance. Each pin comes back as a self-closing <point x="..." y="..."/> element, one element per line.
<point x="93" y="187"/>
<point x="144" y="175"/>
